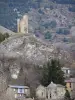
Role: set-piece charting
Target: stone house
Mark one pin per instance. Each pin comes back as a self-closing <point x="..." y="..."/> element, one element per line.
<point x="55" y="91"/>
<point x="41" y="92"/>
<point x="18" y="90"/>
<point x="52" y="91"/>
<point x="60" y="91"/>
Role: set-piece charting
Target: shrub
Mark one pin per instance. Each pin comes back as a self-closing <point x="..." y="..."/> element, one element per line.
<point x="51" y="24"/>
<point x="72" y="9"/>
<point x="6" y="35"/>
<point x="63" y="31"/>
<point x="3" y="36"/>
<point x="47" y="35"/>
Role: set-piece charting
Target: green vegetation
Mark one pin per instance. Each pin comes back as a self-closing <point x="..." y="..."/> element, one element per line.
<point x="3" y="36"/>
<point x="52" y="72"/>
<point x="48" y="35"/>
<point x="64" y="1"/>
<point x="63" y="31"/>
<point x="40" y="11"/>
<point x="51" y="24"/>
<point x="72" y="9"/>
<point x="67" y="95"/>
<point x="65" y="40"/>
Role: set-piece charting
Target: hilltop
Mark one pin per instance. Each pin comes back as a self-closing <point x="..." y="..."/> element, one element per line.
<point x="48" y="19"/>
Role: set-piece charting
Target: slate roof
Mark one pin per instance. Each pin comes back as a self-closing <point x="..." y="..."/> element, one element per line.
<point x="16" y="86"/>
<point x="51" y="85"/>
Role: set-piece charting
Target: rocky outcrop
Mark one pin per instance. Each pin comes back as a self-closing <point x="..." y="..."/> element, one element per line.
<point x="25" y="51"/>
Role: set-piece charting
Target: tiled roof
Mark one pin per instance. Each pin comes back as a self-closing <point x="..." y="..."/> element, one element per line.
<point x="70" y="80"/>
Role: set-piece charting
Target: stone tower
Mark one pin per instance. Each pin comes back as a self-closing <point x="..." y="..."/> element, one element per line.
<point x="22" y="25"/>
<point x="18" y="25"/>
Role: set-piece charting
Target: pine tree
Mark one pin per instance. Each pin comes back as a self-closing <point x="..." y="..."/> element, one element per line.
<point x="52" y="72"/>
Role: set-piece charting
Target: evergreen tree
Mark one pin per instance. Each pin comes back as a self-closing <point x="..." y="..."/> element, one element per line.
<point x="52" y="72"/>
<point x="67" y="95"/>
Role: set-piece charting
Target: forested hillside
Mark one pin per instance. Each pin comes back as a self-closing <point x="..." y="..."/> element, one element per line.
<point x="47" y="18"/>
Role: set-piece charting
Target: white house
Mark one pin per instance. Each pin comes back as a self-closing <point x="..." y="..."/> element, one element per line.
<point x="18" y="91"/>
<point x="67" y="71"/>
<point x="41" y="92"/>
<point x="52" y="91"/>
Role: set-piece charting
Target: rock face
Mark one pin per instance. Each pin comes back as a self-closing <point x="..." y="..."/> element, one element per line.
<point x="27" y="47"/>
<point x="24" y="51"/>
<point x="30" y="49"/>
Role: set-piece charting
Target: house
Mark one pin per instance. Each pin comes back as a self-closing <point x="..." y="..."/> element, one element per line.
<point x="55" y="91"/>
<point x="60" y="91"/>
<point x="70" y="84"/>
<point x="67" y="71"/>
<point x="19" y="91"/>
<point x="17" y="88"/>
<point x="41" y="92"/>
<point x="52" y="91"/>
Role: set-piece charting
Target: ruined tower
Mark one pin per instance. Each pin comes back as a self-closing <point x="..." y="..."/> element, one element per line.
<point x="22" y="25"/>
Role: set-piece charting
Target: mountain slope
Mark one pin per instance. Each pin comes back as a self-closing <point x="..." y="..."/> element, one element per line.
<point x="5" y="30"/>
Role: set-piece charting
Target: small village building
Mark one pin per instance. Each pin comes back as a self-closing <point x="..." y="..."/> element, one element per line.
<point x="70" y="84"/>
<point x="67" y="71"/>
<point x="19" y="91"/>
<point x="51" y="92"/>
<point x="17" y="88"/>
<point x="41" y="92"/>
<point x="60" y="91"/>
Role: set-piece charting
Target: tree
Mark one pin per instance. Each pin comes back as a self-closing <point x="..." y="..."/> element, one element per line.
<point x="63" y="31"/>
<point x="47" y="35"/>
<point x="67" y="95"/>
<point x="6" y="35"/>
<point x="53" y="24"/>
<point x="52" y="72"/>
<point x="3" y="36"/>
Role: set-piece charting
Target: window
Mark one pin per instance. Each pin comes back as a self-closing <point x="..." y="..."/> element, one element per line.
<point x="67" y="71"/>
<point x="50" y="95"/>
<point x="20" y="90"/>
